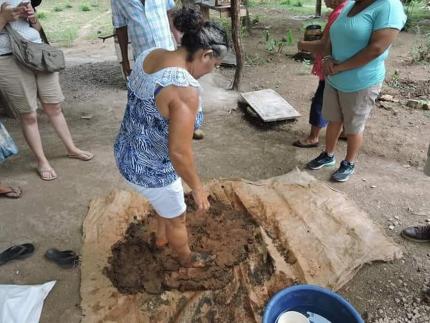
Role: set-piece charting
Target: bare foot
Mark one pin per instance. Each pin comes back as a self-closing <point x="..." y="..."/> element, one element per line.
<point x="198" y="260"/>
<point x="46" y="172"/>
<point x="80" y="154"/>
<point x="307" y="143"/>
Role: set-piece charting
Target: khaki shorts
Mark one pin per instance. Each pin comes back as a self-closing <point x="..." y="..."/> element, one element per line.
<point x="21" y="86"/>
<point x="352" y="109"/>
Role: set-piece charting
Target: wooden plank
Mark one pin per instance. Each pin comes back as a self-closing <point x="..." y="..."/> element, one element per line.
<point x="270" y="106"/>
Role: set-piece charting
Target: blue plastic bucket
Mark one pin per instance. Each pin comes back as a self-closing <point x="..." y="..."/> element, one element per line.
<point x="314" y="299"/>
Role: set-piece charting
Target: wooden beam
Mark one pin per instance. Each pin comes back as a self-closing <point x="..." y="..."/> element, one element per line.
<point x="235" y="24"/>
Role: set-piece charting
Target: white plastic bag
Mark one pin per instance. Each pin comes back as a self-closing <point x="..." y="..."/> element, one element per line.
<point x="23" y="303"/>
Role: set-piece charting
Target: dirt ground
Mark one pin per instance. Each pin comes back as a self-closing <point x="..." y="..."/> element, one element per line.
<point x="389" y="183"/>
<point x="226" y="234"/>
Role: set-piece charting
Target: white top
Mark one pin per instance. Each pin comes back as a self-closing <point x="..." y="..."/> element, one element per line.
<point x="22" y="26"/>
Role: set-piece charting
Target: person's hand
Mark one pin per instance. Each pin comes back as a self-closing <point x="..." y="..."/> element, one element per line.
<point x="126" y="68"/>
<point x="31" y="15"/>
<point x="337" y="68"/>
<point x="200" y="197"/>
<point x="328" y="65"/>
<point x="300" y="46"/>
<point x="9" y="13"/>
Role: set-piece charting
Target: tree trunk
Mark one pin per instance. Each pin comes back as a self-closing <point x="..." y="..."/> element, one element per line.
<point x="318" y="8"/>
<point x="235" y="26"/>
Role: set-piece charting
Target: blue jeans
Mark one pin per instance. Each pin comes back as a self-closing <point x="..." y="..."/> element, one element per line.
<point x="315" y="116"/>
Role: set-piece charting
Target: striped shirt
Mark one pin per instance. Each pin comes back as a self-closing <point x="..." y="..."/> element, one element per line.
<point x="147" y="24"/>
<point x="142" y="146"/>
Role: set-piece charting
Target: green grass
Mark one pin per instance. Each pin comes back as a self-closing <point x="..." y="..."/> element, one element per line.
<point x="298" y="7"/>
<point x="417" y="10"/>
<point x="64" y="26"/>
<point x="84" y="7"/>
<point x="42" y="15"/>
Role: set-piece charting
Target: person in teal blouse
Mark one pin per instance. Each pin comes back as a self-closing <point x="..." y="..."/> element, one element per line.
<point x="354" y="65"/>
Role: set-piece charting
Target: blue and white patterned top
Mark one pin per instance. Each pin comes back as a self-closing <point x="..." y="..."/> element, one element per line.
<point x="141" y="147"/>
<point x="148" y="25"/>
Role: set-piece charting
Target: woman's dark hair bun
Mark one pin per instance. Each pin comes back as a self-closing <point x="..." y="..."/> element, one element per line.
<point x="188" y="20"/>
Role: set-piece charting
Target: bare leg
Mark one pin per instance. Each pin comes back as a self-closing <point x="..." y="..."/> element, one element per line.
<point x="354" y="143"/>
<point x="30" y="128"/>
<point x="161" y="237"/>
<point x="59" y="123"/>
<point x="314" y="135"/>
<point x="332" y="135"/>
<point x="177" y="236"/>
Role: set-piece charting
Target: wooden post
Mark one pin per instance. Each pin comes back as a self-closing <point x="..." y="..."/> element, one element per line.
<point x="235" y="26"/>
<point x="427" y="166"/>
<point x="318" y="8"/>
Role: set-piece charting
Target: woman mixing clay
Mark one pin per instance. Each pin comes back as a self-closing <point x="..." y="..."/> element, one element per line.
<point x="153" y="149"/>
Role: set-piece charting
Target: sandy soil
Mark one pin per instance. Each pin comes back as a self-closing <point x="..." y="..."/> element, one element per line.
<point x="389" y="183"/>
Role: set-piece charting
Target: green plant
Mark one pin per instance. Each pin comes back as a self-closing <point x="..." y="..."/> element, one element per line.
<point x="395" y="80"/>
<point x="298" y="4"/>
<point x="286" y="2"/>
<point x="67" y="36"/>
<point x="306" y="67"/>
<point x="273" y="45"/>
<point x="84" y="7"/>
<point x="421" y="52"/>
<point x="58" y="9"/>
<point x="41" y="15"/>
<point x="68" y="6"/>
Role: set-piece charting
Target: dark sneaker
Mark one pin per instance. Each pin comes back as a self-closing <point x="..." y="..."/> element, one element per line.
<point x="344" y="172"/>
<point x="417" y="234"/>
<point x="323" y="160"/>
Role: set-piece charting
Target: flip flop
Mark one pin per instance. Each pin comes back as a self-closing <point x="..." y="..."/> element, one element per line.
<point x="12" y="193"/>
<point x="299" y="144"/>
<point x="16" y="252"/>
<point x="64" y="259"/>
<point x="43" y="171"/>
<point x="84" y="156"/>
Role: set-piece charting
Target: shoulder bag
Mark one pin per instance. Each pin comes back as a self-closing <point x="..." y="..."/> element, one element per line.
<point x="37" y="57"/>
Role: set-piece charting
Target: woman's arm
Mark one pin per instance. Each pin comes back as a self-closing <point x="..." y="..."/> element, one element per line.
<point x="328" y="61"/>
<point x="182" y="115"/>
<point x="380" y="41"/>
<point x="314" y="46"/>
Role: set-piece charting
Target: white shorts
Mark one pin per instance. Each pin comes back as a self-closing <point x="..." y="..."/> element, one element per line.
<point x="167" y="201"/>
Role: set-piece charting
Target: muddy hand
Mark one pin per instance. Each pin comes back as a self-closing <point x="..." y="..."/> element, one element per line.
<point x="200" y="197"/>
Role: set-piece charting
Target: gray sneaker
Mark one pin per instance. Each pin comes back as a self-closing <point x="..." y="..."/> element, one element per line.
<point x="323" y="160"/>
<point x="344" y="172"/>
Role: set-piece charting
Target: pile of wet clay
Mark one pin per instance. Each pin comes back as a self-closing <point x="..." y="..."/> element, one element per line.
<point x="230" y="235"/>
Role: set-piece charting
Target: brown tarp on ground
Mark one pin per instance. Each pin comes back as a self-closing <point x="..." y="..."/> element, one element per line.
<point x="313" y="234"/>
